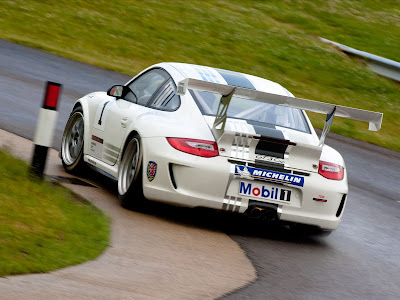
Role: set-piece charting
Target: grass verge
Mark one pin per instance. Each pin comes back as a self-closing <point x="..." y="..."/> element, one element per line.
<point x="272" y="39"/>
<point x="44" y="226"/>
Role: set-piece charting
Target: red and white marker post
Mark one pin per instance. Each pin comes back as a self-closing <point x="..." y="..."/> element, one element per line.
<point x="45" y="128"/>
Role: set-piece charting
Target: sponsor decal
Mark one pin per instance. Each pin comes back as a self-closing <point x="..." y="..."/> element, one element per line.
<point x="151" y="170"/>
<point x="91" y="161"/>
<point x="260" y="191"/>
<point x="267" y="175"/>
<point x="96" y="146"/>
<point x="320" y="200"/>
<point x="244" y="173"/>
<point x="97" y="139"/>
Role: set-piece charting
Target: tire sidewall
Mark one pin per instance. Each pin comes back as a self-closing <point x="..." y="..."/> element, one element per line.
<point x="78" y="163"/>
<point x="133" y="198"/>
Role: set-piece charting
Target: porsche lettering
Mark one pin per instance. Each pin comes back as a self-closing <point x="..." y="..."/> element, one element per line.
<point x="270" y="159"/>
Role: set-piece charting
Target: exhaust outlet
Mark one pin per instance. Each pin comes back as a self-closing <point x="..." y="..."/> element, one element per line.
<point x="262" y="213"/>
<point x="255" y="212"/>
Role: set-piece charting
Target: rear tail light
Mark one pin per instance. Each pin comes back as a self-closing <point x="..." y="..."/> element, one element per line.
<point x="195" y="147"/>
<point x="330" y="170"/>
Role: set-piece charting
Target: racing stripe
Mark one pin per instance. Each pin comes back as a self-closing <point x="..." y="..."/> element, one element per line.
<point x="272" y="147"/>
<point x="236" y="79"/>
<point x="275" y="145"/>
<point x="209" y="74"/>
<point x="267" y="130"/>
<point x="201" y="73"/>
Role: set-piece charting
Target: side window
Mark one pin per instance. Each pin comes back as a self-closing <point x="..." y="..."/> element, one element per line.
<point x="155" y="89"/>
<point x="166" y="97"/>
<point x="147" y="85"/>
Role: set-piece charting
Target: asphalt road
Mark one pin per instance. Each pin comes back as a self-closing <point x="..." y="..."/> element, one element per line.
<point x="23" y="75"/>
<point x="361" y="260"/>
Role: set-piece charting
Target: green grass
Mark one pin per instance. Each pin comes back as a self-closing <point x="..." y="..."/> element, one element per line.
<point x="274" y="39"/>
<point x="44" y="226"/>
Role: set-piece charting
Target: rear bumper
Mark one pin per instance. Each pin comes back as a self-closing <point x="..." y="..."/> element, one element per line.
<point x="187" y="180"/>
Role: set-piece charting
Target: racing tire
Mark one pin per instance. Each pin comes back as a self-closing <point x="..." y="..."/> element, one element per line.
<point x="72" y="142"/>
<point x="130" y="177"/>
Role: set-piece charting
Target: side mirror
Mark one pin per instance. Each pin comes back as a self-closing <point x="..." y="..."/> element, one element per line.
<point x="118" y="91"/>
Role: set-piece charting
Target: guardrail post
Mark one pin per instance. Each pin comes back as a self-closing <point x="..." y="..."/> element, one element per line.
<point x="45" y="129"/>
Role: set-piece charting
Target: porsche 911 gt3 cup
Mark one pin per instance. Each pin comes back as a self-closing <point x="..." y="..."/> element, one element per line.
<point x="198" y="136"/>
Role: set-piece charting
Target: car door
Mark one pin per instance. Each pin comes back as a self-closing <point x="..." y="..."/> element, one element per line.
<point x="115" y="115"/>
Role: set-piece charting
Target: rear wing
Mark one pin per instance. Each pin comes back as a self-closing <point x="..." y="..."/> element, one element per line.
<point x="227" y="91"/>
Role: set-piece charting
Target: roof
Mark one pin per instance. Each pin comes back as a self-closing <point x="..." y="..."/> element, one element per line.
<point x="221" y="76"/>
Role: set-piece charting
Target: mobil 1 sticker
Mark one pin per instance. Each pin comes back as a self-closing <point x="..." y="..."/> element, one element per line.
<point x="264" y="191"/>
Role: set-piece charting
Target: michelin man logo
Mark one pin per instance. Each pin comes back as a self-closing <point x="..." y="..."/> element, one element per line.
<point x="244" y="173"/>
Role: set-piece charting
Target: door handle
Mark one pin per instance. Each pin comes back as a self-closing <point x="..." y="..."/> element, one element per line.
<point x="123" y="122"/>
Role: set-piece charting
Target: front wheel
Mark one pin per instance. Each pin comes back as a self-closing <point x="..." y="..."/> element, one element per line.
<point x="130" y="179"/>
<point x="72" y="142"/>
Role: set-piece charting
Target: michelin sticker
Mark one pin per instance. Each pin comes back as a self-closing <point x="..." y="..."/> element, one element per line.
<point x="266" y="175"/>
<point x="151" y="170"/>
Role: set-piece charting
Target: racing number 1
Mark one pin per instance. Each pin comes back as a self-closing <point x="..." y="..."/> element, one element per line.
<point x="285" y="195"/>
<point x="101" y="114"/>
<point x="102" y="111"/>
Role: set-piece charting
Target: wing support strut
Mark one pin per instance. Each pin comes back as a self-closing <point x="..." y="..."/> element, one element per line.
<point x="222" y="112"/>
<point x="327" y="126"/>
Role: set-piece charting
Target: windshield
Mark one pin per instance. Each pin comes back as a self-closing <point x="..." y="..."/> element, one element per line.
<point x="251" y="110"/>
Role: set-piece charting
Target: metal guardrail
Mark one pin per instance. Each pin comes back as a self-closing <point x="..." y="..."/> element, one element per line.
<point x="380" y="65"/>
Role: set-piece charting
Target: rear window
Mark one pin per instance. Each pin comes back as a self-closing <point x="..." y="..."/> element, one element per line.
<point x="252" y="110"/>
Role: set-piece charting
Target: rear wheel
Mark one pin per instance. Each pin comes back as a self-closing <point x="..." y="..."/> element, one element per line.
<point x="72" y="142"/>
<point x="130" y="179"/>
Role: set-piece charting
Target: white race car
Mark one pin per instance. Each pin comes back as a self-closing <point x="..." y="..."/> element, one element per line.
<point x="198" y="136"/>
